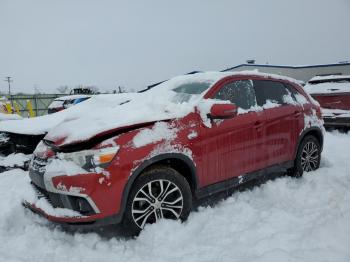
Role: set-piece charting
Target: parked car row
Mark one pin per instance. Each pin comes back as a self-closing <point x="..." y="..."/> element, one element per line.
<point x="138" y="158"/>
<point x="333" y="94"/>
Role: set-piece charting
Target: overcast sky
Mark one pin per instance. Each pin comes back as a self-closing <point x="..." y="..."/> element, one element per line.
<point x="136" y="43"/>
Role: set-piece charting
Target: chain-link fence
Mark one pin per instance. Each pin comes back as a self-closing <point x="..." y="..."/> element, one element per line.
<point x="39" y="102"/>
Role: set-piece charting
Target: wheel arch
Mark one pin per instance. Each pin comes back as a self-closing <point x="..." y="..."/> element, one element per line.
<point x="314" y="131"/>
<point x="180" y="162"/>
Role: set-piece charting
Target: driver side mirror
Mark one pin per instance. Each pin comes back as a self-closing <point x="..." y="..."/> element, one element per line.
<point x="223" y="111"/>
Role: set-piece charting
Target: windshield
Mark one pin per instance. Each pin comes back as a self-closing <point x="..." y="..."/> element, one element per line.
<point x="194" y="88"/>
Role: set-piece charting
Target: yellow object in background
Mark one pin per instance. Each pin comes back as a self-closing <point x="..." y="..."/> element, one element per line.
<point x="16" y="108"/>
<point x="8" y="108"/>
<point x="30" y="109"/>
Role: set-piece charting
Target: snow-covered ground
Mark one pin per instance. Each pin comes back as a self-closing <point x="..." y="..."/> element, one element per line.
<point x="287" y="219"/>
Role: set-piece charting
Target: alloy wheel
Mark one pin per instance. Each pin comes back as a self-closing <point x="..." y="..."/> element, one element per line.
<point x="310" y="157"/>
<point x="156" y="200"/>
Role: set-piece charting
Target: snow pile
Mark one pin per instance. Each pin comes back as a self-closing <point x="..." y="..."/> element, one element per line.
<point x="14" y="160"/>
<point x="159" y="132"/>
<point x="287" y="219"/>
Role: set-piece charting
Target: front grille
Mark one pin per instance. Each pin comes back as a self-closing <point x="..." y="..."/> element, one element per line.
<point x="38" y="164"/>
<point x="53" y="198"/>
<point x="75" y="203"/>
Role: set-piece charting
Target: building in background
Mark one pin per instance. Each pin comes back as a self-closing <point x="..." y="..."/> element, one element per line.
<point x="302" y="72"/>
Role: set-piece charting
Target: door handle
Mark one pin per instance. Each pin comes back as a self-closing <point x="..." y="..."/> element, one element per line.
<point x="258" y="124"/>
<point x="297" y="113"/>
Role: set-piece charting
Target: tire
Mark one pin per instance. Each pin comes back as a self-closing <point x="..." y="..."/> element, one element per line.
<point x="308" y="157"/>
<point x="157" y="193"/>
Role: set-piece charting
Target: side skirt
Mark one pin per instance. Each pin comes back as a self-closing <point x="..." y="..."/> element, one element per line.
<point x="237" y="181"/>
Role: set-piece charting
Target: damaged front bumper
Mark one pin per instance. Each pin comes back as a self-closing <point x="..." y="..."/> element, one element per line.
<point x="71" y="200"/>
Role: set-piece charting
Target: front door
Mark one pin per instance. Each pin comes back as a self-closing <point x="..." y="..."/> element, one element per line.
<point x="234" y="147"/>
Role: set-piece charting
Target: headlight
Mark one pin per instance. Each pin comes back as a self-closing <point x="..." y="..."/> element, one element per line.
<point x="88" y="159"/>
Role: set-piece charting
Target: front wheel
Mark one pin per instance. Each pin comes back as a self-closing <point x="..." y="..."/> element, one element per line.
<point x="160" y="193"/>
<point x="308" y="157"/>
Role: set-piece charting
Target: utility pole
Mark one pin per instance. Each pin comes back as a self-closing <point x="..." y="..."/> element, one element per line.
<point x="9" y="80"/>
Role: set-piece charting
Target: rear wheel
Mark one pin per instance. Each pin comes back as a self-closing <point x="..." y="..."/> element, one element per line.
<point x="160" y="193"/>
<point x="308" y="157"/>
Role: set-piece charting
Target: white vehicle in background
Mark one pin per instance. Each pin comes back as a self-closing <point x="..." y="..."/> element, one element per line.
<point x="76" y="96"/>
<point x="333" y="94"/>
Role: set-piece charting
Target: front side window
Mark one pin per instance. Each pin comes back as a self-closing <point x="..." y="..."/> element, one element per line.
<point x="272" y="92"/>
<point x="241" y="93"/>
<point x="194" y="88"/>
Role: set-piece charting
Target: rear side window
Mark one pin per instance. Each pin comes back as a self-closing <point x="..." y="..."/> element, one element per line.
<point x="241" y="93"/>
<point x="297" y="96"/>
<point x="271" y="91"/>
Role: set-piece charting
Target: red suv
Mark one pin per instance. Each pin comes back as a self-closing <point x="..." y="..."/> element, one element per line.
<point x="188" y="138"/>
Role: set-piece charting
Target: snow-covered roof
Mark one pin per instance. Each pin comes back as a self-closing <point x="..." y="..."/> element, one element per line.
<point x="329" y="77"/>
<point x="289" y="66"/>
<point x="327" y="88"/>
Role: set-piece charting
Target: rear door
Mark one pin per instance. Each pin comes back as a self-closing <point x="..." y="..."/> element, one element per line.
<point x="283" y="116"/>
<point x="235" y="146"/>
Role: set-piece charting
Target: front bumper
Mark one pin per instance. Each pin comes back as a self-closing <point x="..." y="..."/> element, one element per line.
<point x="45" y="207"/>
<point x="80" y="200"/>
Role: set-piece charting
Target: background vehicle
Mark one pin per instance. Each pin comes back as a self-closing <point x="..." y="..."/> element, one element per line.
<point x="333" y="94"/>
<point x="76" y="96"/>
<point x="65" y="102"/>
<point x="146" y="159"/>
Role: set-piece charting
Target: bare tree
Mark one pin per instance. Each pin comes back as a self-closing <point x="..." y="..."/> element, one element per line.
<point x="63" y="89"/>
<point x="94" y="89"/>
